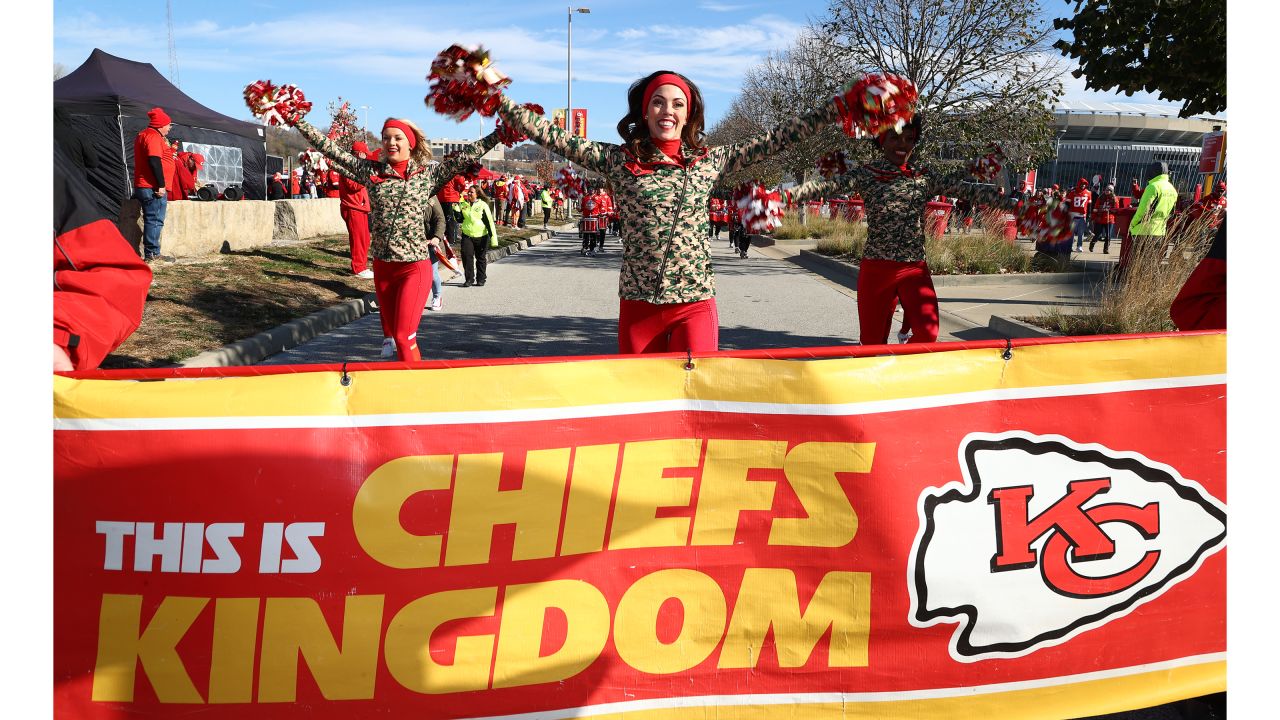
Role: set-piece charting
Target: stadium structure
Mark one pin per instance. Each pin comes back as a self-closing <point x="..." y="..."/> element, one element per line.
<point x="1118" y="140"/>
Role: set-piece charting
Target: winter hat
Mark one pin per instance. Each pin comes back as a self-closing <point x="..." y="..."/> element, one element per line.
<point x="158" y="118"/>
<point x="360" y="146"/>
<point x="1221" y="187"/>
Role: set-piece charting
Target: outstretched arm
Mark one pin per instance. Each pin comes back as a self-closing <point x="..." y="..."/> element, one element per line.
<point x="958" y="183"/>
<point x="752" y="151"/>
<point x="592" y="155"/>
<point x="358" y="169"/>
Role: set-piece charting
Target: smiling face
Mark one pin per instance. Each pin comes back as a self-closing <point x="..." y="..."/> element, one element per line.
<point x="667" y="113"/>
<point x="395" y="144"/>
<point x="897" y="148"/>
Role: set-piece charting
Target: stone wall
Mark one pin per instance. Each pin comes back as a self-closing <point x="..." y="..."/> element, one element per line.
<point x="193" y="228"/>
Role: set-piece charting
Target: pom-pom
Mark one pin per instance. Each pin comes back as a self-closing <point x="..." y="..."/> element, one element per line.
<point x="1056" y="225"/>
<point x="987" y="168"/>
<point x="877" y="103"/>
<point x="570" y="183"/>
<point x="508" y="135"/>
<point x="833" y="164"/>
<point x="313" y="161"/>
<point x="759" y="209"/>
<point x="1031" y="217"/>
<point x="463" y="82"/>
<point x="283" y="105"/>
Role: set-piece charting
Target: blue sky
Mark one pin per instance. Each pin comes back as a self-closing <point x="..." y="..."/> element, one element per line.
<point x="379" y="55"/>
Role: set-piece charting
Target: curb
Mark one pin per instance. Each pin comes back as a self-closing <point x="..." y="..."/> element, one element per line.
<point x="1017" y="329"/>
<point x="968" y="280"/>
<point x="295" y="332"/>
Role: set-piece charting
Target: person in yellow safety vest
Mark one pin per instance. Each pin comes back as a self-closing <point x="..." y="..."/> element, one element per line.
<point x="1152" y="215"/>
<point x="477" y="224"/>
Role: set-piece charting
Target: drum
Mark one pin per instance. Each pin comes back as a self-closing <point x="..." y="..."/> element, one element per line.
<point x="719" y="216"/>
<point x="590" y="224"/>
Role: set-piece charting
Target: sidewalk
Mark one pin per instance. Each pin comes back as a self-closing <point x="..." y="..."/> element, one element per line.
<point x="972" y="307"/>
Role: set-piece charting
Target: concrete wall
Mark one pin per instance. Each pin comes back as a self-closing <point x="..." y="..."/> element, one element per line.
<point x="192" y="228"/>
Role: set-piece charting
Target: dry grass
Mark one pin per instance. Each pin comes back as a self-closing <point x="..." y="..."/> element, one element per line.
<point x="1138" y="302"/>
<point x="981" y="252"/>
<point x="200" y="305"/>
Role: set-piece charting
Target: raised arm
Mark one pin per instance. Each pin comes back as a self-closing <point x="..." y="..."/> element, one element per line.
<point x="958" y="183"/>
<point x="592" y="155"/>
<point x="458" y="162"/>
<point x="800" y="128"/>
<point x="359" y="170"/>
<point x="819" y="188"/>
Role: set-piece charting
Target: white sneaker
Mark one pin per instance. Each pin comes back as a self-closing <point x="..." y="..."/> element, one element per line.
<point x="903" y="337"/>
<point x="436" y="303"/>
<point x="365" y="274"/>
<point x="388" y="348"/>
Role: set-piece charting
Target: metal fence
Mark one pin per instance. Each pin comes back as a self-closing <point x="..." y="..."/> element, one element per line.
<point x="1123" y="162"/>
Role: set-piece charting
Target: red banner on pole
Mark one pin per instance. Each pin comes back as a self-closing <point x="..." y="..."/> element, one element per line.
<point x="928" y="535"/>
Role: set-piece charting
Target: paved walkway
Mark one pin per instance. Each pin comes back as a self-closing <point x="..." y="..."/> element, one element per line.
<point x="548" y="300"/>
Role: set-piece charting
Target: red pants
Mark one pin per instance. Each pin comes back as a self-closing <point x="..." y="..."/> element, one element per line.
<point x="402" y="289"/>
<point x="648" y="328"/>
<point x="882" y="284"/>
<point x="358" y="234"/>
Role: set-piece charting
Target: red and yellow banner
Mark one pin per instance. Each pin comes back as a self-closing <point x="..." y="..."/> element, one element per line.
<point x="935" y="535"/>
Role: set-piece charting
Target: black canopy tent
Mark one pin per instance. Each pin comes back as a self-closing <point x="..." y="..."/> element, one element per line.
<point x="108" y="98"/>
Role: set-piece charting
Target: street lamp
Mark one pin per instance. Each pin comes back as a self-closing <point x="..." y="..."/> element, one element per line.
<point x="568" y="111"/>
<point x="366" y="109"/>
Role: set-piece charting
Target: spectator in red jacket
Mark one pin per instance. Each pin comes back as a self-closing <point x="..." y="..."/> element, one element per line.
<point x="354" y="207"/>
<point x="449" y="195"/>
<point x="1104" y="219"/>
<point x="1078" y="201"/>
<point x="184" y="178"/>
<point x="99" y="283"/>
<point x="1202" y="302"/>
<point x="152" y="167"/>
<point x="332" y="184"/>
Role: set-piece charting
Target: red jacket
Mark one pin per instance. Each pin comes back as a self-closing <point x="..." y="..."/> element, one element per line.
<point x="184" y="179"/>
<point x="1078" y="200"/>
<point x="353" y="195"/>
<point x="333" y="185"/>
<point x="99" y="282"/>
<point x="1104" y="208"/>
<point x="451" y="192"/>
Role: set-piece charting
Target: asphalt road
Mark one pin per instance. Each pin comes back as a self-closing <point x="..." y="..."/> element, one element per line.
<point x="549" y="300"/>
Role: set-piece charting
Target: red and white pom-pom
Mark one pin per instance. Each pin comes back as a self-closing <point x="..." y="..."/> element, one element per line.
<point x="283" y="105"/>
<point x="1055" y="227"/>
<point x="313" y="161"/>
<point x="1031" y="216"/>
<point x="508" y="135"/>
<point x="833" y="164"/>
<point x="877" y="103"/>
<point x="987" y="168"/>
<point x="570" y="184"/>
<point x="463" y="82"/>
<point x="759" y="209"/>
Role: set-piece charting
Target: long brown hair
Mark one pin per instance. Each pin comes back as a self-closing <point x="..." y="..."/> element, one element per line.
<point x="634" y="130"/>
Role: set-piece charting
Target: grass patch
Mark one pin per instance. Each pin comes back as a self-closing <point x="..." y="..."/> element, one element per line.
<point x="203" y="304"/>
<point x="1139" y="301"/>
<point x="977" y="253"/>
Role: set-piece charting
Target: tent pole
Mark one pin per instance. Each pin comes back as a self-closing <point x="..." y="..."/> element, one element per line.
<point x="124" y="154"/>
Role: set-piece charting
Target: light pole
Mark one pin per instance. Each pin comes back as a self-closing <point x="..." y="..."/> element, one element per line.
<point x="568" y="111"/>
<point x="366" y="109"/>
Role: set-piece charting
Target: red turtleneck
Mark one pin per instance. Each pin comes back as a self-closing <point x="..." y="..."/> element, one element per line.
<point x="670" y="148"/>
<point x="400" y="167"/>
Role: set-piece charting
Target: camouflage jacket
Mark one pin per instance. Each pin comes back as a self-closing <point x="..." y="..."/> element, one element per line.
<point x="661" y="205"/>
<point x="399" y="214"/>
<point x="895" y="203"/>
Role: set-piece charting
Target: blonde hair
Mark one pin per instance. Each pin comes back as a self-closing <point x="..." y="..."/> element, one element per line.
<point x="421" y="152"/>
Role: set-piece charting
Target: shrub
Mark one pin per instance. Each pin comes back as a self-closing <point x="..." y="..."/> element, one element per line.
<point x="981" y="253"/>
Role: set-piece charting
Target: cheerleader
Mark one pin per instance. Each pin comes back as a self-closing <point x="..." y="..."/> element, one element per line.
<point x="401" y="184"/>
<point x="893" y="267"/>
<point x="662" y="175"/>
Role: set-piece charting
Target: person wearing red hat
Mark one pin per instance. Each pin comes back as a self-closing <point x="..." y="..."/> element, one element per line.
<point x="184" y="178"/>
<point x="401" y="186"/>
<point x="662" y="176"/>
<point x="151" y="154"/>
<point x="354" y="206"/>
<point x="1078" y="202"/>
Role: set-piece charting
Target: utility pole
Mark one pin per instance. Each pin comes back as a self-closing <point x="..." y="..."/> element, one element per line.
<point x="173" y="48"/>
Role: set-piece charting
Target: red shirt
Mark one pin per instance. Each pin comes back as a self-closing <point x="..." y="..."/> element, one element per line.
<point x="184" y="179"/>
<point x="1103" y="209"/>
<point x="451" y="192"/>
<point x="150" y="143"/>
<point x="333" y="185"/>
<point x="1079" y="200"/>
<point x="353" y="195"/>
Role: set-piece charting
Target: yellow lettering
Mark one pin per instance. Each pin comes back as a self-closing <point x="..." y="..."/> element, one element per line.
<point x="642" y="490"/>
<point x="294" y="626"/>
<point x="524" y="609"/>
<point x="590" y="495"/>
<point x="121" y="646"/>
<point x="479" y="506"/>
<point x="408" y="645"/>
<point x="635" y="633"/>
<point x="376" y="513"/>
<point x="235" y="639"/>
<point x="768" y="598"/>
<point x="725" y="492"/>
<point x="811" y="470"/>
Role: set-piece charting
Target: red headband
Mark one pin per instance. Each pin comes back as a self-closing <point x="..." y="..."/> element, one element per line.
<point x="665" y="79"/>
<point x="404" y="128"/>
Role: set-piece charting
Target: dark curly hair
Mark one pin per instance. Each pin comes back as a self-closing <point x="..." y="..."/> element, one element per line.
<point x="634" y="130"/>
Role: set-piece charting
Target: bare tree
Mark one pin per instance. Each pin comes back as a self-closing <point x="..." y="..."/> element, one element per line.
<point x="984" y="68"/>
<point x="59" y="70"/>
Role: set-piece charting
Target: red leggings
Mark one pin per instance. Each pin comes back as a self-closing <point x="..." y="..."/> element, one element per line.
<point x="649" y="328"/>
<point x="402" y="289"/>
<point x="884" y="283"/>
<point x="358" y="234"/>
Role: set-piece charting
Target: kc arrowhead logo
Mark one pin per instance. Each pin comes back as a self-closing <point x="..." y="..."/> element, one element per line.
<point x="1046" y="538"/>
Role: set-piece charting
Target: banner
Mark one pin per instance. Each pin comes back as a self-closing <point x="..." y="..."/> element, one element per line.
<point x="1031" y="532"/>
<point x="579" y="120"/>
<point x="1212" y="152"/>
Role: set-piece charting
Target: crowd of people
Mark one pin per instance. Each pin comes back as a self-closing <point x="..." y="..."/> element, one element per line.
<point x="405" y="213"/>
